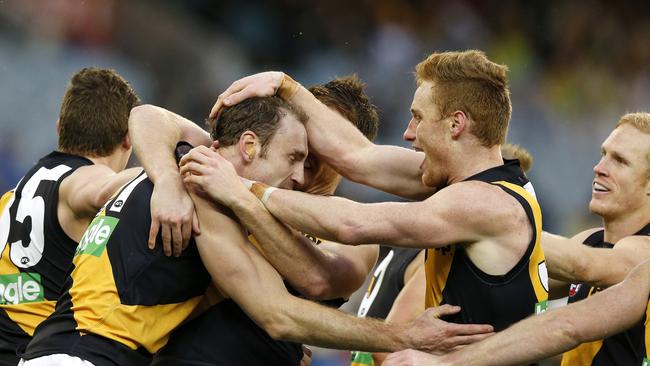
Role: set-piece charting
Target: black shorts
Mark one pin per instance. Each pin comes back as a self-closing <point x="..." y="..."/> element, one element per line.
<point x="225" y="335"/>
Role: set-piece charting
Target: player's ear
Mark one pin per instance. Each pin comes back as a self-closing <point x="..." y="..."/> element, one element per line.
<point x="58" y="125"/>
<point x="248" y="146"/>
<point x="459" y="122"/>
<point x="126" y="142"/>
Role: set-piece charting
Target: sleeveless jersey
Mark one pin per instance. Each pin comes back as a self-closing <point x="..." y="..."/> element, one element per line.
<point x="122" y="299"/>
<point x="452" y="278"/>
<point x="35" y="252"/>
<point x="625" y="348"/>
<point x="385" y="285"/>
<point x="225" y="335"/>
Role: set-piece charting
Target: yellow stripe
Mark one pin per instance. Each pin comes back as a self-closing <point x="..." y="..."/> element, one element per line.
<point x="436" y="268"/>
<point x="5" y="199"/>
<point x="97" y="308"/>
<point x="647" y="331"/>
<point x="537" y="256"/>
<point x="583" y="355"/>
<point x="28" y="315"/>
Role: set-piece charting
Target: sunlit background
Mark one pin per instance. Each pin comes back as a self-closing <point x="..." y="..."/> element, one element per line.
<point x="575" y="68"/>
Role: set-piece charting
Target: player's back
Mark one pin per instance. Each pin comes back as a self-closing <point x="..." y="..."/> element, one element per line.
<point x="121" y="299"/>
<point x="35" y="251"/>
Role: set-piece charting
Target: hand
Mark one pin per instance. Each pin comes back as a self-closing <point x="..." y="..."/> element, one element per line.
<point x="172" y="213"/>
<point x="306" y="356"/>
<point x="208" y="171"/>
<point x="264" y="84"/>
<point x="411" y="357"/>
<point x="430" y="334"/>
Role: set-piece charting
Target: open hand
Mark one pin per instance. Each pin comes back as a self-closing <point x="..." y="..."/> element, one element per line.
<point x="264" y="84"/>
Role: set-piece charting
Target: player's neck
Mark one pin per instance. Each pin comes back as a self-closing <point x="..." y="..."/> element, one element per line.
<point x="625" y="225"/>
<point x="474" y="161"/>
<point x="110" y="161"/>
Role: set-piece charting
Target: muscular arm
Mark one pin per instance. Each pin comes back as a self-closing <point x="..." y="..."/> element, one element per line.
<point x="322" y="272"/>
<point x="462" y="212"/>
<point x="243" y="274"/>
<point x="86" y="190"/>
<point x="389" y="168"/>
<point x="604" y="314"/>
<point x="571" y="261"/>
<point x="154" y="133"/>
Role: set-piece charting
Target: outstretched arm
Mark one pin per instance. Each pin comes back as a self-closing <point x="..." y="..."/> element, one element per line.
<point x="570" y="260"/>
<point x="243" y="274"/>
<point x="322" y="272"/>
<point x="450" y="216"/>
<point x="389" y="168"/>
<point x="602" y="315"/>
<point x="154" y="133"/>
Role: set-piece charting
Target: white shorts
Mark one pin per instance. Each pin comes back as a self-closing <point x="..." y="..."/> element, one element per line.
<point x="55" y="360"/>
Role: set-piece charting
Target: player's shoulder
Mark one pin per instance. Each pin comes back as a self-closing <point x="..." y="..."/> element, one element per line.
<point x="634" y="241"/>
<point x="477" y="195"/>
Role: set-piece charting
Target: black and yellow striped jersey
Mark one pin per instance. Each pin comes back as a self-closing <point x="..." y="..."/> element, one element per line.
<point x="35" y="251"/>
<point x="452" y="278"/>
<point x="386" y="283"/>
<point x="625" y="348"/>
<point x="224" y="335"/>
<point x="121" y="300"/>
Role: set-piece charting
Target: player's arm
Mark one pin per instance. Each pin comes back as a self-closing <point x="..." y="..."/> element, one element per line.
<point x="408" y="305"/>
<point x="572" y="261"/>
<point x="462" y="212"/>
<point x="602" y="315"/>
<point x="391" y="169"/>
<point x="242" y="273"/>
<point x="154" y="133"/>
<point x="86" y="190"/>
<point x="320" y="272"/>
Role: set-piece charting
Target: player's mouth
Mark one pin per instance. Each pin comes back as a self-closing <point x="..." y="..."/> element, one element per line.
<point x="599" y="187"/>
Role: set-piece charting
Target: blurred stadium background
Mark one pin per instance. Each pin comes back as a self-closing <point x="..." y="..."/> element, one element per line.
<point x="575" y="67"/>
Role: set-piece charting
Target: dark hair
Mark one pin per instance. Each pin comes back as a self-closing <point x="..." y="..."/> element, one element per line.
<point x="258" y="115"/>
<point x="95" y="112"/>
<point x="346" y="95"/>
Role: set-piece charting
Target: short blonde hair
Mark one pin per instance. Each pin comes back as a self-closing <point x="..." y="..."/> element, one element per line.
<point x="513" y="151"/>
<point x="641" y="121"/>
<point x="469" y="82"/>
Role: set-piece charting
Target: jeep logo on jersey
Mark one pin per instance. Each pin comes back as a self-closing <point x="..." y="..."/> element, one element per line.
<point x="96" y="236"/>
<point x="20" y="288"/>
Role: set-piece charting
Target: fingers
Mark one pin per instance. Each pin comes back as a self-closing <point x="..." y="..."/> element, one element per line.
<point x="199" y="154"/>
<point x="469" y="329"/>
<point x="196" y="228"/>
<point x="165" y="231"/>
<point x="186" y="231"/>
<point x="444" y="310"/>
<point x="193" y="168"/>
<point x="233" y="88"/>
<point x="240" y="96"/>
<point x="153" y="233"/>
<point x="177" y="239"/>
<point x="468" y="339"/>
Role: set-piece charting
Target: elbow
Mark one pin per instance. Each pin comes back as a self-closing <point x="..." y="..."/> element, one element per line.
<point x="318" y="287"/>
<point x="277" y="324"/>
<point x="350" y="232"/>
<point x="566" y="330"/>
